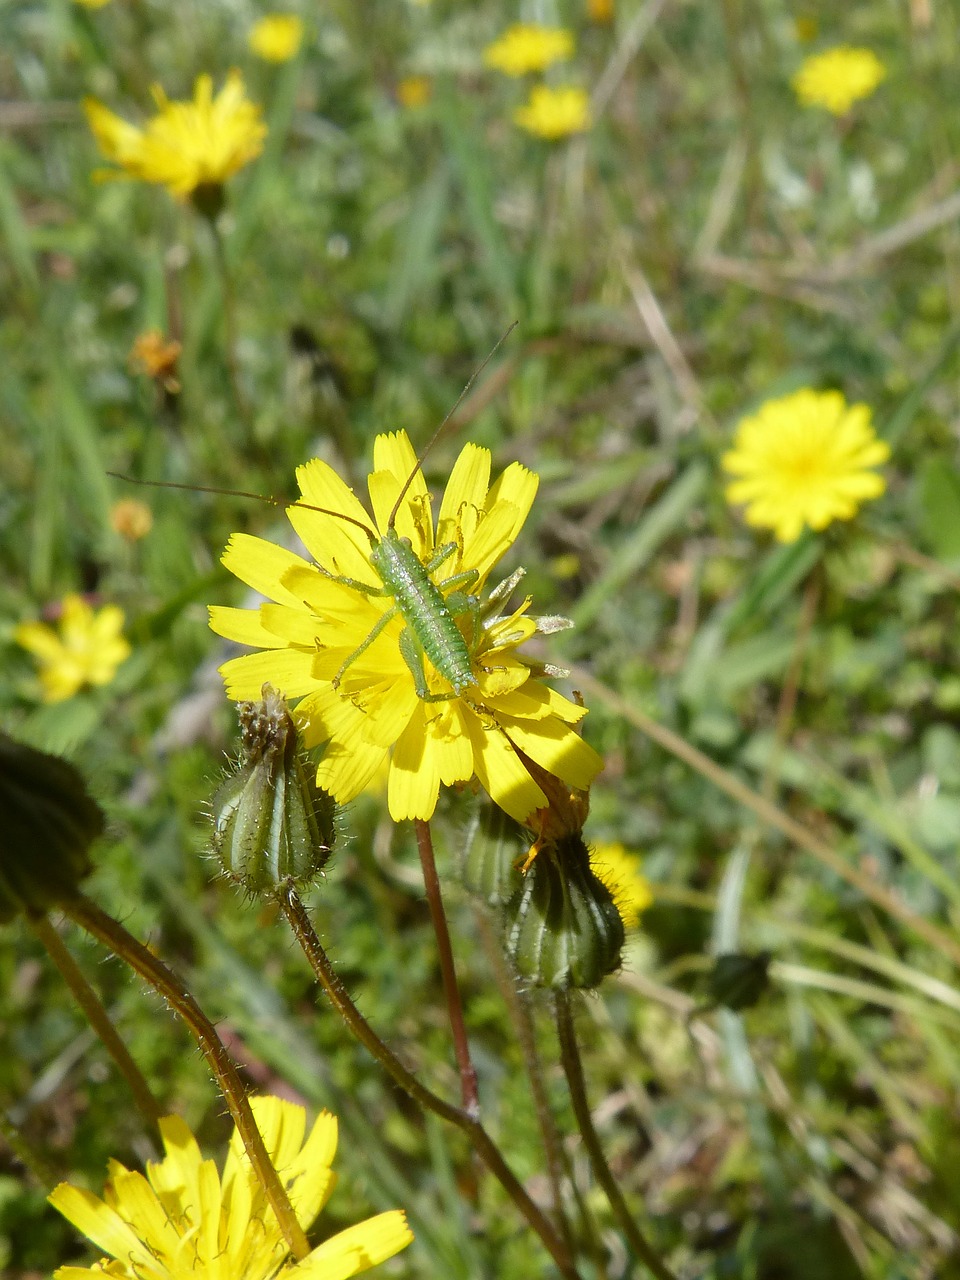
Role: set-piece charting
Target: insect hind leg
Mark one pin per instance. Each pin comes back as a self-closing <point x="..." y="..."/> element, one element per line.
<point x="378" y="627"/>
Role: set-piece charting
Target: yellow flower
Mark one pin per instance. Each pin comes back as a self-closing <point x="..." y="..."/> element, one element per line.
<point x="620" y="872"/>
<point x="133" y="520"/>
<point x="87" y="650"/>
<point x="528" y="47"/>
<point x="805" y="459"/>
<point x="277" y="37"/>
<point x="555" y="112"/>
<point x="365" y="704"/>
<point x="183" y="1220"/>
<point x="414" y="91"/>
<point x="600" y="10"/>
<point x="158" y="358"/>
<point x="186" y="145"/>
<point x="838" y="78"/>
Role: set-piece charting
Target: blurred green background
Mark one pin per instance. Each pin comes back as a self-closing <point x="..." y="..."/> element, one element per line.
<point x="706" y="244"/>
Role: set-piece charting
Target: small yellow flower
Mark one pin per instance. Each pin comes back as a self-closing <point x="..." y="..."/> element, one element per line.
<point x="277" y="37"/>
<point x="555" y="113"/>
<point x="132" y="519"/>
<point x="88" y="649"/>
<point x="414" y="91"/>
<point x="527" y="47"/>
<point x="620" y="872"/>
<point x="805" y="459"/>
<point x="157" y="357"/>
<point x="838" y="78"/>
<point x="183" y="1220"/>
<point x="600" y="10"/>
<point x="334" y="639"/>
<point x="186" y="145"/>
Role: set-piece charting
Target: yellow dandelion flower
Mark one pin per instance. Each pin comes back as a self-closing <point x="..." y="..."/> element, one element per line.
<point x="333" y="638"/>
<point x="620" y="872"/>
<point x="838" y="78"/>
<point x="277" y="37"/>
<point x="527" y="47"/>
<point x="87" y="649"/>
<point x="805" y="459"/>
<point x="414" y="91"/>
<point x="130" y="518"/>
<point x="555" y="112"/>
<point x="186" y="146"/>
<point x="183" y="1219"/>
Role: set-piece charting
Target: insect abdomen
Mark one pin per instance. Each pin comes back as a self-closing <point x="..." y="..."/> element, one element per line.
<point x="424" y="610"/>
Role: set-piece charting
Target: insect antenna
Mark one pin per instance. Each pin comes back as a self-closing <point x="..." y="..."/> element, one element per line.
<point x="422" y="456"/>
<point x="242" y="493"/>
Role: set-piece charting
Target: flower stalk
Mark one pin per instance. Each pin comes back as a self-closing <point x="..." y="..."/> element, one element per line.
<point x="451" y="988"/>
<point x="114" y="936"/>
<point x="573" y="1069"/>
<point x="480" y="1140"/>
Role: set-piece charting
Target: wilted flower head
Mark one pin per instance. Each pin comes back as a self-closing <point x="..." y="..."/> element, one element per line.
<point x="277" y="37"/>
<point x="87" y="648"/>
<point x="527" y="47"/>
<point x="555" y="112"/>
<point x="332" y="636"/>
<point x="183" y="1219"/>
<point x="838" y="78"/>
<point x="805" y="459"/>
<point x="187" y="147"/>
<point x="157" y="357"/>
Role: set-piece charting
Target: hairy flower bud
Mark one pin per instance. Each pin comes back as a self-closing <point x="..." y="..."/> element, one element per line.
<point x="563" y="927"/>
<point x="48" y="824"/>
<point x="273" y="826"/>
<point x="490" y="848"/>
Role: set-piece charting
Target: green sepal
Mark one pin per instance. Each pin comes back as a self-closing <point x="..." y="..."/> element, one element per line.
<point x="273" y="825"/>
<point x="563" y="928"/>
<point x="491" y="846"/>
<point x="47" y="824"/>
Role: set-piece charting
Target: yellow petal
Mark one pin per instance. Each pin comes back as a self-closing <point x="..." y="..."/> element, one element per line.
<point x="261" y="565"/>
<point x="500" y="771"/>
<point x="414" y="782"/>
<point x="357" y="1249"/>
<point x="288" y="670"/>
<point x="243" y="626"/>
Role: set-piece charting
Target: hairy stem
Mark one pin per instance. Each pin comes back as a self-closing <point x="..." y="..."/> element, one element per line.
<point x="468" y="1124"/>
<point x="570" y="1056"/>
<point x="451" y="988"/>
<point x="94" y="1012"/>
<point x="163" y="980"/>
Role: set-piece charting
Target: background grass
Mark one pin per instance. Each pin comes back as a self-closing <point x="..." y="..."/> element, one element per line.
<point x="707" y="245"/>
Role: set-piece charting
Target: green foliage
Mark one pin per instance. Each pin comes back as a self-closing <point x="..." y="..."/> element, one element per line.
<point x="375" y="253"/>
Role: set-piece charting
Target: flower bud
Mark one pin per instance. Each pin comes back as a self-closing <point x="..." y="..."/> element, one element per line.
<point x="491" y="845"/>
<point x="562" y="927"/>
<point x="48" y="824"/>
<point x="273" y="826"/>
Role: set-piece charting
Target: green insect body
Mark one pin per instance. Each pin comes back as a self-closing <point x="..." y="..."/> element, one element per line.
<point x="431" y="628"/>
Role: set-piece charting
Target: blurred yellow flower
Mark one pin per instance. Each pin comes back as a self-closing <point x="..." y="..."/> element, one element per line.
<point x="87" y="650"/>
<point x="414" y="91"/>
<point x="620" y="872"/>
<point x="157" y="357"/>
<point x="183" y="1220"/>
<point x="600" y="10"/>
<point x="805" y="459"/>
<point x="277" y="37"/>
<point x="527" y="47"/>
<point x="186" y="146"/>
<point x="555" y="113"/>
<point x="332" y="636"/>
<point x="838" y="78"/>
<point x="132" y="519"/>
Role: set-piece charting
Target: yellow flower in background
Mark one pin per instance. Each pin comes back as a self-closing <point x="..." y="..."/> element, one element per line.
<point x="414" y="91"/>
<point x="132" y="519"/>
<point x="555" y="113"/>
<point x="365" y="704"/>
<point x="277" y="37"/>
<point x="838" y="78"/>
<point x="527" y="47"/>
<point x="805" y="459"/>
<point x="183" y="1220"/>
<point x="186" y="145"/>
<point x="158" y="357"/>
<point x="87" y="649"/>
<point x="600" y="10"/>
<point x="620" y="872"/>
